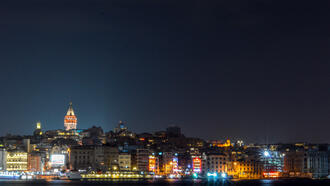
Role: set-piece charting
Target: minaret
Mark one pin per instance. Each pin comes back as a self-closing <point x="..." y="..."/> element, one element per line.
<point x="70" y="120"/>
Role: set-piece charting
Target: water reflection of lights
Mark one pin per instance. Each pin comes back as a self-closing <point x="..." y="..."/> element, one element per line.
<point x="266" y="181"/>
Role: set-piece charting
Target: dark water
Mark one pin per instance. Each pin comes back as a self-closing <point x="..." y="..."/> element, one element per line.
<point x="286" y="182"/>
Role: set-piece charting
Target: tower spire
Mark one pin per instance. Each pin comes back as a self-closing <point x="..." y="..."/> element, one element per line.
<point x="70" y="110"/>
<point x="70" y="120"/>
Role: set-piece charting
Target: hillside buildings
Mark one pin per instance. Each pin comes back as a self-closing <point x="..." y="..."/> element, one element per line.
<point x="163" y="153"/>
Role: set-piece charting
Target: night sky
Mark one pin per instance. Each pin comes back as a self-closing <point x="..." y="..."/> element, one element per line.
<point x="252" y="70"/>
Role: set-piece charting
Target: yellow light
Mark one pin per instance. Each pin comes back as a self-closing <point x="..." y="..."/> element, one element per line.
<point x="38" y="125"/>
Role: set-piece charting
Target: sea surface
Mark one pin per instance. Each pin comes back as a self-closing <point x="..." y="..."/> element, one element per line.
<point x="281" y="182"/>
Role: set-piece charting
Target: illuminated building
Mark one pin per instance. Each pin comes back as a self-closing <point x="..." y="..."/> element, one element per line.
<point x="70" y="120"/>
<point x="197" y="165"/>
<point x="245" y="169"/>
<point x="57" y="160"/>
<point x="220" y="144"/>
<point x="17" y="161"/>
<point x="111" y="157"/>
<point x="3" y="157"/>
<point x="124" y="161"/>
<point x="121" y="127"/>
<point x="215" y="163"/>
<point x="175" y="165"/>
<point x="166" y="162"/>
<point x="273" y="163"/>
<point x="240" y="143"/>
<point x="122" y="131"/>
<point x="152" y="164"/>
<point x="34" y="163"/>
<point x="117" y="174"/>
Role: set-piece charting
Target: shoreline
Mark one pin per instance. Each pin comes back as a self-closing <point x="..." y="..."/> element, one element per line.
<point x="125" y="180"/>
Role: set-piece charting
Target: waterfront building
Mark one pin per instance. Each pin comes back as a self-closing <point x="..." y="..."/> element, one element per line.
<point x="245" y="169"/>
<point x="294" y="163"/>
<point x="111" y="154"/>
<point x="166" y="162"/>
<point x="3" y="157"/>
<point x="214" y="163"/>
<point x="70" y="120"/>
<point x="99" y="158"/>
<point x="175" y="165"/>
<point x="34" y="162"/>
<point x="185" y="161"/>
<point x="124" y="161"/>
<point x="81" y="158"/>
<point x="302" y="160"/>
<point x="196" y="165"/>
<point x="142" y="159"/>
<point x="153" y="164"/>
<point x="273" y="162"/>
<point x="316" y="163"/>
<point x="17" y="161"/>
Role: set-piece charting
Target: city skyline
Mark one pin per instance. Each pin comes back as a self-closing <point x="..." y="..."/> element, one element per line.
<point x="70" y="123"/>
<point x="255" y="71"/>
<point x="164" y="92"/>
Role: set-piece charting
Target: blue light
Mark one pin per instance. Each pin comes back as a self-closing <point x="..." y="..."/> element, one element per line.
<point x="266" y="153"/>
<point x="195" y="175"/>
<point x="212" y="174"/>
<point x="223" y="175"/>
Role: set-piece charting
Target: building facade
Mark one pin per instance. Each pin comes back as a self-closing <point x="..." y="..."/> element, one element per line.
<point x="81" y="158"/>
<point x="111" y="158"/>
<point x="3" y="158"/>
<point x="35" y="163"/>
<point x="124" y="161"/>
<point x="17" y="161"/>
<point x="316" y="163"/>
<point x="215" y="163"/>
<point x="142" y="159"/>
<point x="246" y="169"/>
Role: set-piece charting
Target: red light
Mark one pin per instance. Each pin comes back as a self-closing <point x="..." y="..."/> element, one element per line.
<point x="197" y="164"/>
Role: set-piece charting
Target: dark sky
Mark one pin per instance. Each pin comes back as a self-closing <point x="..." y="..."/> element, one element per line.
<point x="253" y="70"/>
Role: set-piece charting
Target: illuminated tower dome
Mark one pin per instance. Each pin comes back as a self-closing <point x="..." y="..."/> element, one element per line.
<point x="70" y="120"/>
